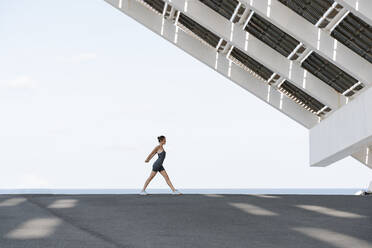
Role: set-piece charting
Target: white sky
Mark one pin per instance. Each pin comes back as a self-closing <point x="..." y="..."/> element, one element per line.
<point x="85" y="91"/>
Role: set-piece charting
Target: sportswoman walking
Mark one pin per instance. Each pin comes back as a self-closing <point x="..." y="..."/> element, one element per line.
<point x="158" y="166"/>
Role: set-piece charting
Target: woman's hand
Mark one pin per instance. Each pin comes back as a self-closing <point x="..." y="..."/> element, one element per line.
<point x="146" y="161"/>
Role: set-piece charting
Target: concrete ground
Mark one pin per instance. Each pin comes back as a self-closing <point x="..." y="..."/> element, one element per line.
<point x="163" y="221"/>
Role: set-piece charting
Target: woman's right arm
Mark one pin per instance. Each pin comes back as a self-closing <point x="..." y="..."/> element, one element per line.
<point x="151" y="154"/>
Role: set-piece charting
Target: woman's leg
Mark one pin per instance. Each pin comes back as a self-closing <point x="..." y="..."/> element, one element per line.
<point x="152" y="175"/>
<point x="166" y="177"/>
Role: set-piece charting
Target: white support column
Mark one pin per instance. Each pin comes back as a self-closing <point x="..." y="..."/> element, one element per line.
<point x="346" y="132"/>
<point x="207" y="55"/>
<point x="235" y="35"/>
<point x="360" y="8"/>
<point x="313" y="37"/>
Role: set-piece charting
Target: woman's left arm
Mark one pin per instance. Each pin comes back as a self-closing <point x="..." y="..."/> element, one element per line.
<point x="151" y="154"/>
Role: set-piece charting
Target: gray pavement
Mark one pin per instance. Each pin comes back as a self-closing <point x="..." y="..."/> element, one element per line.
<point x="163" y="221"/>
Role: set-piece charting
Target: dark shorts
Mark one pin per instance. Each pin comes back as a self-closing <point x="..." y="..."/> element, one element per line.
<point x="156" y="167"/>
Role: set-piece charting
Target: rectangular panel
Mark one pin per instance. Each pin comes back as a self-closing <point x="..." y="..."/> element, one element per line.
<point x="310" y="10"/>
<point x="331" y="74"/>
<point x="155" y="5"/>
<point x="271" y="35"/>
<point x="226" y="8"/>
<point x="197" y="29"/>
<point x="302" y="98"/>
<point x="248" y="63"/>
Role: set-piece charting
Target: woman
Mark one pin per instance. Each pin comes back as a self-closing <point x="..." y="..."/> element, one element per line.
<point x="158" y="166"/>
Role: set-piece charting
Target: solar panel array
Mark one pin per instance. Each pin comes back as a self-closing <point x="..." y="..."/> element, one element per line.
<point x="356" y="34"/>
<point x="351" y="31"/>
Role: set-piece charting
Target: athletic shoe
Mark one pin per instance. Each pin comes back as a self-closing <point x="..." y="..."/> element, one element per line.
<point x="176" y="192"/>
<point x="143" y="192"/>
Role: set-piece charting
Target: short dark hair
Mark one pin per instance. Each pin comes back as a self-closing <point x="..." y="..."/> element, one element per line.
<point x="161" y="138"/>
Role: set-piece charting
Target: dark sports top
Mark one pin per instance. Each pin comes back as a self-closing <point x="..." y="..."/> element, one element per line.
<point x="161" y="157"/>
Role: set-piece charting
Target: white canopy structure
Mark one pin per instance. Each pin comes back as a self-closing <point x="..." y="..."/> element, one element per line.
<point x="309" y="59"/>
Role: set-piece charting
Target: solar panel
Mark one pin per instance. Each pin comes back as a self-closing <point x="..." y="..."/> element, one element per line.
<point x="330" y="74"/>
<point x="354" y="33"/>
<point x="250" y="64"/>
<point x="156" y="5"/>
<point x="304" y="99"/>
<point x="226" y="8"/>
<point x="202" y="33"/>
<point x="311" y="10"/>
<point x="271" y="35"/>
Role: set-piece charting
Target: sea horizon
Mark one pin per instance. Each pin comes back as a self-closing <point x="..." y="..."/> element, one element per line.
<point x="248" y="191"/>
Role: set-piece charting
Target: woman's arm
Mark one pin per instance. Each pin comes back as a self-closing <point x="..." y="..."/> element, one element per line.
<point x="151" y="154"/>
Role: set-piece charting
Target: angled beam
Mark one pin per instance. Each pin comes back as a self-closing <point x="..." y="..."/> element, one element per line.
<point x="217" y="61"/>
<point x="314" y="38"/>
<point x="347" y="131"/>
<point x="235" y="35"/>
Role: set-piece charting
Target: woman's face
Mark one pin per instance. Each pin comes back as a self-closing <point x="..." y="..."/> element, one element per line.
<point x="164" y="141"/>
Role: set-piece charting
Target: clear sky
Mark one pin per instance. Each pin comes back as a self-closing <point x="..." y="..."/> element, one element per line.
<point x="85" y="91"/>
